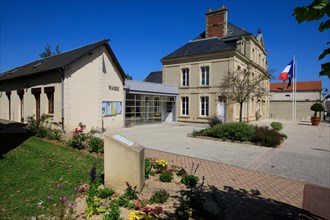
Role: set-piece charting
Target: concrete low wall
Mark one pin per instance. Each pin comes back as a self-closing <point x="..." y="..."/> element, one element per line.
<point x="283" y="110"/>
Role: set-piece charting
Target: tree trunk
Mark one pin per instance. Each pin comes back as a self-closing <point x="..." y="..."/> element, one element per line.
<point x="240" y="112"/>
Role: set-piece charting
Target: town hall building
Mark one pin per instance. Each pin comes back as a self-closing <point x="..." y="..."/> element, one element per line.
<point x="199" y="66"/>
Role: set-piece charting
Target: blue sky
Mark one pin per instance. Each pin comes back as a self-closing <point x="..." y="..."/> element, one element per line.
<point x="141" y="32"/>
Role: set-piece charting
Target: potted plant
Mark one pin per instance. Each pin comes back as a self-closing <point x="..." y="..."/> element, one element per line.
<point x="316" y="107"/>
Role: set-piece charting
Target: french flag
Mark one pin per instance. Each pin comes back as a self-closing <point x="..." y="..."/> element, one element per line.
<point x="287" y="73"/>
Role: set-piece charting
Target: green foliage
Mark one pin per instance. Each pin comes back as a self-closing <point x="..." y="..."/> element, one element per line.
<point x="181" y="172"/>
<point x="95" y="144"/>
<point x="276" y="125"/>
<point x="183" y="212"/>
<point x="82" y="140"/>
<point x="267" y="137"/>
<point x="239" y="131"/>
<point x="315" y="11"/>
<point x="166" y="176"/>
<point x="114" y="211"/>
<point x="148" y="168"/>
<point x="44" y="127"/>
<point x="190" y="180"/>
<point x="160" y="196"/>
<point x="317" y="107"/>
<point x="160" y="165"/>
<point x="37" y="167"/>
<point x="48" y="51"/>
<point x="105" y="193"/>
<point x="233" y="131"/>
<point x="197" y="133"/>
<point x="130" y="192"/>
<point x="214" y="120"/>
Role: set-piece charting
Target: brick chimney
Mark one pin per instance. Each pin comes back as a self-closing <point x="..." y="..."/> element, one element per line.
<point x="216" y="22"/>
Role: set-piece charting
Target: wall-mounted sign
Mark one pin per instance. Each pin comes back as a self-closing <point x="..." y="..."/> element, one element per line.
<point x="113" y="88"/>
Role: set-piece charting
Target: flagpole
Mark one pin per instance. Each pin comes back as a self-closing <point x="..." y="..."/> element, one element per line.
<point x="295" y="89"/>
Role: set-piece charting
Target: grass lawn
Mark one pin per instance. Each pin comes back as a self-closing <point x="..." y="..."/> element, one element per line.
<point x="31" y="172"/>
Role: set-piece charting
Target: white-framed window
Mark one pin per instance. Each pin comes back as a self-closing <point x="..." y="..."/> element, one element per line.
<point x="110" y="108"/>
<point x="184" y="105"/>
<point x="185" y="77"/>
<point x="205" y="75"/>
<point x="156" y="105"/>
<point x="204" y="106"/>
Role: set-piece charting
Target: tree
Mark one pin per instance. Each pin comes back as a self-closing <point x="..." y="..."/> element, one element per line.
<point x="128" y="76"/>
<point x="240" y="85"/>
<point x="313" y="12"/>
<point x="48" y="51"/>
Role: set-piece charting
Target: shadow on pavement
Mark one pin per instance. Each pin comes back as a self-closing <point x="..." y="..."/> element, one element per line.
<point x="12" y="134"/>
<point x="237" y="204"/>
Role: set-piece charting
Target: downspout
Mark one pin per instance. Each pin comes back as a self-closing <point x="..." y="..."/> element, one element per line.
<point x="62" y="96"/>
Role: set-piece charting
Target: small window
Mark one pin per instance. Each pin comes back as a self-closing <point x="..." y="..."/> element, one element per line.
<point x="287" y="95"/>
<point x="185" y="77"/>
<point x="185" y="105"/>
<point x="205" y="75"/>
<point x="204" y="106"/>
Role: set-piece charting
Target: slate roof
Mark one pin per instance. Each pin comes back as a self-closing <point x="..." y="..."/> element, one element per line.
<point x="154" y="77"/>
<point x="203" y="45"/>
<point x="301" y="86"/>
<point x="232" y="32"/>
<point x="57" y="62"/>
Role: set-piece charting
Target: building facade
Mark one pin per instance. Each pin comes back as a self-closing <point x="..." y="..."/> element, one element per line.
<point x="307" y="93"/>
<point x="83" y="85"/>
<point x="149" y="103"/>
<point x="199" y="67"/>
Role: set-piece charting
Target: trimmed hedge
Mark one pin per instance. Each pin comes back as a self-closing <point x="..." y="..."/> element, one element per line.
<point x="267" y="137"/>
<point x="231" y="131"/>
<point x="276" y="125"/>
<point x="240" y="131"/>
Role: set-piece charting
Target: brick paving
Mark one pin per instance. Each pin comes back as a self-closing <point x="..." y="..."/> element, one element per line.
<point x="244" y="193"/>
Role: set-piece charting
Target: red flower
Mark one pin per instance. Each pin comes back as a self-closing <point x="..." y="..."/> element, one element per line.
<point x="74" y="135"/>
<point x="138" y="204"/>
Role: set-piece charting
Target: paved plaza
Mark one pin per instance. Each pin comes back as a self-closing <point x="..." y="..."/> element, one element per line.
<point x="251" y="182"/>
<point x="304" y="156"/>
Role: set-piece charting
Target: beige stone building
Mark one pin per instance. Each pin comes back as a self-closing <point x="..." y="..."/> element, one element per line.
<point x="199" y="66"/>
<point x="82" y="85"/>
<point x="307" y="94"/>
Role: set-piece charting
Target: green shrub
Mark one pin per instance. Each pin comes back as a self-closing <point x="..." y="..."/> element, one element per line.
<point x="160" y="196"/>
<point x="276" y="125"/>
<point x="190" y="180"/>
<point x="166" y="176"/>
<point x="197" y="133"/>
<point x="236" y="131"/>
<point x="78" y="141"/>
<point x="267" y="137"/>
<point x="44" y="127"/>
<point x="214" y="120"/>
<point x="95" y="144"/>
<point x="317" y="107"/>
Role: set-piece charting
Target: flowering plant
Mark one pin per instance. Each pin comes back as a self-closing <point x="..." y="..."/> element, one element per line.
<point x="160" y="165"/>
<point x="146" y="213"/>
